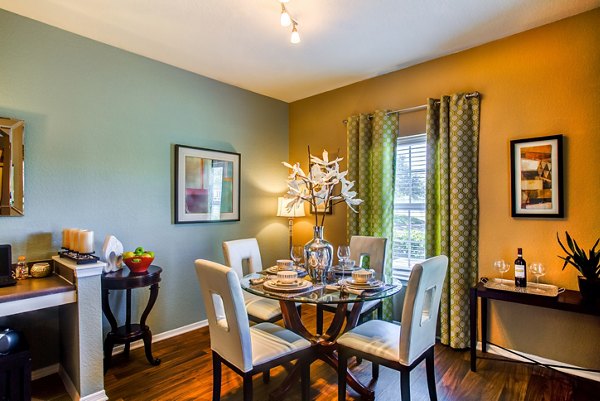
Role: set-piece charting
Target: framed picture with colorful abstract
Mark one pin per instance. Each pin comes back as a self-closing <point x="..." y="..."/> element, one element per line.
<point x="207" y="185"/>
<point x="536" y="177"/>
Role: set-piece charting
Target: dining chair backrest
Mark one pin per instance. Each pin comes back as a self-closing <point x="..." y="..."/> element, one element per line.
<point x="421" y="307"/>
<point x="227" y="319"/>
<point x="372" y="246"/>
<point x="240" y="250"/>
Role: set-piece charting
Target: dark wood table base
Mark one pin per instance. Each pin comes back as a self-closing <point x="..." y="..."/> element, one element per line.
<point x="324" y="347"/>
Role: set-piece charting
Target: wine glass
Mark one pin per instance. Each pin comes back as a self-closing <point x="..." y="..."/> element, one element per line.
<point x="297" y="253"/>
<point x="502" y="268"/>
<point x="343" y="254"/>
<point x="538" y="270"/>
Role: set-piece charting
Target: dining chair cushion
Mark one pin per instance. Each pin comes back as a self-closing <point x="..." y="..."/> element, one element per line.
<point x="376" y="337"/>
<point x="270" y="341"/>
<point x="260" y="307"/>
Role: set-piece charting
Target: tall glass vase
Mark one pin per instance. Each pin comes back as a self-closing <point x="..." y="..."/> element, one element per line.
<point x="318" y="255"/>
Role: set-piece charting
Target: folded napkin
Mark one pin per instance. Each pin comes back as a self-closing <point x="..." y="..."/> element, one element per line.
<point x="336" y="287"/>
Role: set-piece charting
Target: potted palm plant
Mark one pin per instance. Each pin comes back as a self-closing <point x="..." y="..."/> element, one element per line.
<point x="588" y="264"/>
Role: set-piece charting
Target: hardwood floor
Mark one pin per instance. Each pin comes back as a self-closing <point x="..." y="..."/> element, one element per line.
<point x="185" y="374"/>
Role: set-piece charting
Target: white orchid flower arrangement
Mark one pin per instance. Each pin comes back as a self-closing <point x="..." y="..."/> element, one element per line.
<point x="318" y="187"/>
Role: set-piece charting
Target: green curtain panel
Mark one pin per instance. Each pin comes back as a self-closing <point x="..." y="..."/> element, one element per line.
<point x="371" y="162"/>
<point x="453" y="206"/>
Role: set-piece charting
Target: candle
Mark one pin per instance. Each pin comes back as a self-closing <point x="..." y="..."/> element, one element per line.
<point x="86" y="241"/>
<point x="66" y="243"/>
<point x="74" y="239"/>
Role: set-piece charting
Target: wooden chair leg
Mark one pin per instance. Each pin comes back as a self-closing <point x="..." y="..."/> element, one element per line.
<point x="216" y="365"/>
<point x="299" y="307"/>
<point x="319" y="319"/>
<point x="247" y="387"/>
<point x="305" y="378"/>
<point x="405" y="385"/>
<point x="266" y="376"/>
<point x="342" y="368"/>
<point x="375" y="370"/>
<point x="429" y="366"/>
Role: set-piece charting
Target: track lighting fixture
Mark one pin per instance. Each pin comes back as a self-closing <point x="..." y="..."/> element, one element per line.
<point x="286" y="20"/>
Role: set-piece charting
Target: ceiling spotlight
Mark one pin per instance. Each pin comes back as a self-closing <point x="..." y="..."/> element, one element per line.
<point x="295" y="38"/>
<point x="286" y="20"/>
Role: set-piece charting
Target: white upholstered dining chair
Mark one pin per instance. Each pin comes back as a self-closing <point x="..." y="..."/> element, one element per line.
<point x="236" y="252"/>
<point x="362" y="245"/>
<point x="246" y="350"/>
<point x="401" y="347"/>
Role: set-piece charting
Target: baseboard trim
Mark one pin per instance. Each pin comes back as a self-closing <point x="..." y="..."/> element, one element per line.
<point x="163" y="336"/>
<point x="492" y="349"/>
<point x="45" y="371"/>
<point x="74" y="394"/>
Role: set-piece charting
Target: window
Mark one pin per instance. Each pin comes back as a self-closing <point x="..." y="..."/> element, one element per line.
<point x="409" y="205"/>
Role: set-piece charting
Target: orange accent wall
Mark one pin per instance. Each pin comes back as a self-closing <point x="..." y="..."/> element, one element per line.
<point x="540" y="82"/>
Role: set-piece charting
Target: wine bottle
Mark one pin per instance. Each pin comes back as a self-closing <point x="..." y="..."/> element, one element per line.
<point x="520" y="269"/>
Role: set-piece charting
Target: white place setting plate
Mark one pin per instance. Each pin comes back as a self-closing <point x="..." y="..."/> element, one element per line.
<point x="369" y="285"/>
<point x="338" y="269"/>
<point x="275" y="269"/>
<point x="276" y="285"/>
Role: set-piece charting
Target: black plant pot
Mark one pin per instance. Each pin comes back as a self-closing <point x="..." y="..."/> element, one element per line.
<point x="589" y="289"/>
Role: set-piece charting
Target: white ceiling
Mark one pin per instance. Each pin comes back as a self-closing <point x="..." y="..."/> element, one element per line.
<point x="240" y="42"/>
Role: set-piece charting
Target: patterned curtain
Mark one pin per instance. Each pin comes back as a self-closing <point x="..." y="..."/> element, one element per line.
<point x="371" y="163"/>
<point x="453" y="206"/>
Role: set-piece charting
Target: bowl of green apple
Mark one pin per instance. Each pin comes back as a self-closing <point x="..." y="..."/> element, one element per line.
<point x="139" y="260"/>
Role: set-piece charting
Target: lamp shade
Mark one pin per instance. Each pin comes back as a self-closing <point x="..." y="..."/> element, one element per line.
<point x="283" y="211"/>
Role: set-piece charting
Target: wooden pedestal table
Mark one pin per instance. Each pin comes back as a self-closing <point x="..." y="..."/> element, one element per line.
<point x="324" y="346"/>
<point x="126" y="280"/>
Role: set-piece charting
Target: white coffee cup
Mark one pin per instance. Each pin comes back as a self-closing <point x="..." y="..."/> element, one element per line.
<point x="362" y="276"/>
<point x="285" y="264"/>
<point x="287" y="276"/>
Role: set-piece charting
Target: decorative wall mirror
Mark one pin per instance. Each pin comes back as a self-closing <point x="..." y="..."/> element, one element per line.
<point x="12" y="167"/>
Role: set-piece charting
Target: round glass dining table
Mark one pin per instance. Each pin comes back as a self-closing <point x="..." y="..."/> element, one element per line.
<point x="329" y="292"/>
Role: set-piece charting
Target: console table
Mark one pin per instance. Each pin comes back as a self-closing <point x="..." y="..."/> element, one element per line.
<point x="126" y="280"/>
<point x="569" y="300"/>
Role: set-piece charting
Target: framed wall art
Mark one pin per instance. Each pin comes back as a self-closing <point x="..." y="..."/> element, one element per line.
<point x="207" y="185"/>
<point x="536" y="177"/>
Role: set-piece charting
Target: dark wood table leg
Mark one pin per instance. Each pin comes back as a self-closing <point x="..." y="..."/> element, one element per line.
<point x="293" y="322"/>
<point x="108" y="342"/>
<point x="484" y="324"/>
<point x="147" y="336"/>
<point x="473" y="328"/>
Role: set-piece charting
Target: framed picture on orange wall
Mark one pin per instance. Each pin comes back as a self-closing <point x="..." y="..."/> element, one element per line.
<point x="536" y="177"/>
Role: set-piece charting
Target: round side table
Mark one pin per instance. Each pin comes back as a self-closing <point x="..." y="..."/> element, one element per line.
<point x="124" y="279"/>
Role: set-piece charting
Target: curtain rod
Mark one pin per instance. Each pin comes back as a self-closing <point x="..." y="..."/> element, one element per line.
<point x="415" y="108"/>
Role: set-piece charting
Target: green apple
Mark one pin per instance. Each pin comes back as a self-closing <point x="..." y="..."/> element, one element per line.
<point x="150" y="253"/>
<point x="139" y="250"/>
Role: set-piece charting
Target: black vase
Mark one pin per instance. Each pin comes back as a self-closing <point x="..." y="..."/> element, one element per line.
<point x="589" y="289"/>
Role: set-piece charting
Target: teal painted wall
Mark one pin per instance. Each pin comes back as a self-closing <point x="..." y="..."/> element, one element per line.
<point x="100" y="127"/>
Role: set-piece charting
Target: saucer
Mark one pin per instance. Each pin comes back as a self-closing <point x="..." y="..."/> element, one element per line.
<point x="273" y="270"/>
<point x="274" y="285"/>
<point x="369" y="285"/>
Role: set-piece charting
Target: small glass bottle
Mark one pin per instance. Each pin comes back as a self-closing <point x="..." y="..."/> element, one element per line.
<point x="21" y="272"/>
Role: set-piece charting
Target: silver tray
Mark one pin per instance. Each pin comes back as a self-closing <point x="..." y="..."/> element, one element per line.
<point x="546" y="290"/>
